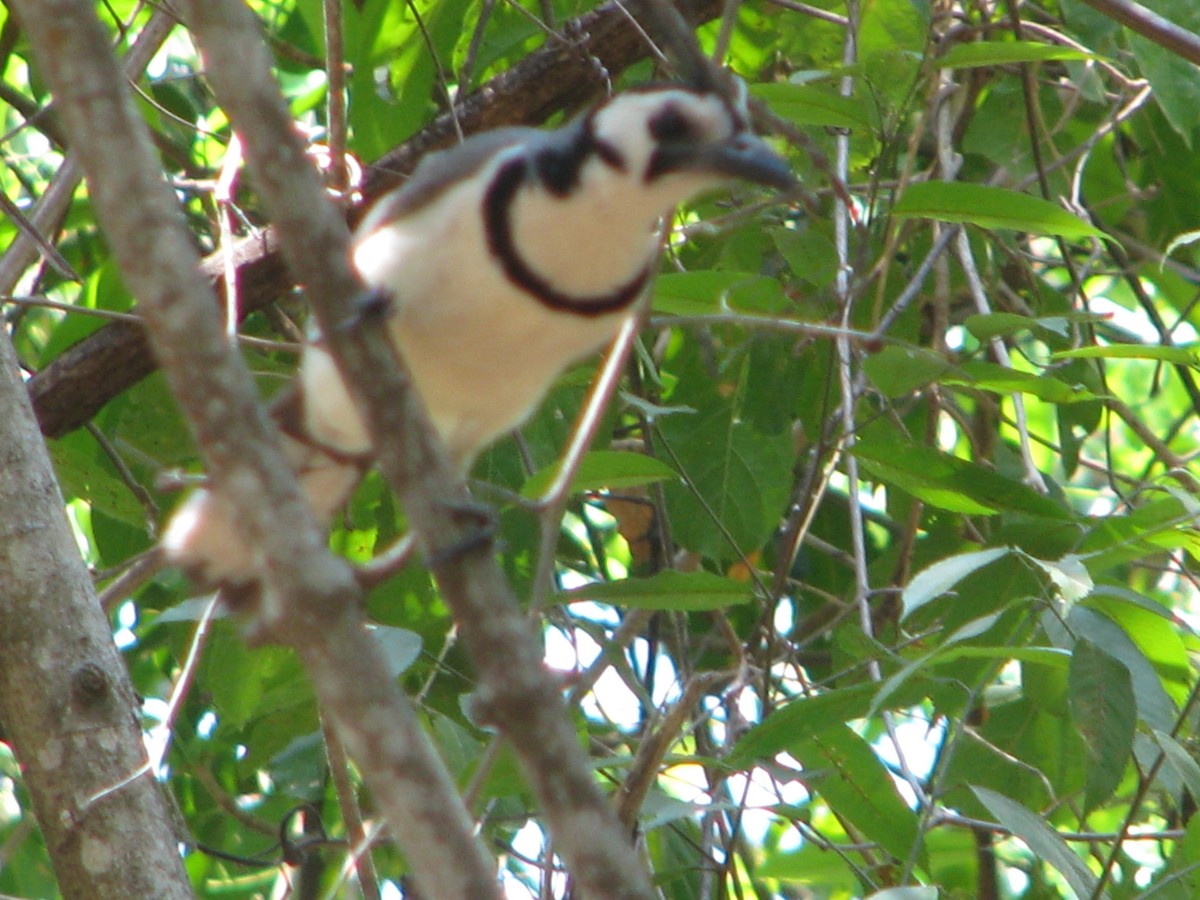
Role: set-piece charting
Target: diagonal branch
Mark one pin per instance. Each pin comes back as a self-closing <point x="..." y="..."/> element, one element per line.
<point x="516" y="692"/>
<point x="313" y="601"/>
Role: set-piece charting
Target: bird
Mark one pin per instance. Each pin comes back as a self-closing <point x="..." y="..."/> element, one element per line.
<point x="504" y="260"/>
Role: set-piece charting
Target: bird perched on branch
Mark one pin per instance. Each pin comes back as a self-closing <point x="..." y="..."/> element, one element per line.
<point x="506" y="259"/>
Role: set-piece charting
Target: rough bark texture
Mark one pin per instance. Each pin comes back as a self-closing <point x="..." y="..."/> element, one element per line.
<point x="311" y="599"/>
<point x="516" y="692"/>
<point x="66" y="702"/>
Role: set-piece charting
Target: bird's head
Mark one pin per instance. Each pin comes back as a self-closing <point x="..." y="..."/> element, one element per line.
<point x="684" y="140"/>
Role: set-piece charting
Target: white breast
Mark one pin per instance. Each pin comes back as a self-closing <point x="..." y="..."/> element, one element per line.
<point x="482" y="353"/>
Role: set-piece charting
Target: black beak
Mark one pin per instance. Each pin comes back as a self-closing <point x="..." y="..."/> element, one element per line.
<point x="746" y="156"/>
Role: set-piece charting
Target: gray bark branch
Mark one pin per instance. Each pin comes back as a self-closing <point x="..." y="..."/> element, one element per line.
<point x="312" y="597"/>
<point x="66" y="702"/>
<point x="516" y="693"/>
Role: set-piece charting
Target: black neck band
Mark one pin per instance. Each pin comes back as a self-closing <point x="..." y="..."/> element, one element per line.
<point x="497" y="209"/>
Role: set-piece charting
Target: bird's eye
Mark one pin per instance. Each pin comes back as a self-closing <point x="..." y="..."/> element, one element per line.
<point x="670" y="126"/>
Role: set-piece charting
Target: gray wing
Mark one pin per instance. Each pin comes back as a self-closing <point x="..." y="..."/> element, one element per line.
<point x="437" y="172"/>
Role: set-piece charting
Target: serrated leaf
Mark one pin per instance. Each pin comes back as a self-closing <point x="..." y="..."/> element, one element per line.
<point x="1003" y="53"/>
<point x="990" y="207"/>
<point x="935" y="580"/>
<point x="1046" y="843"/>
<point x="671" y="590"/>
<point x="733" y="475"/>
<point x="1104" y="710"/>
<point x="604" y="469"/>
<point x="1180" y="356"/>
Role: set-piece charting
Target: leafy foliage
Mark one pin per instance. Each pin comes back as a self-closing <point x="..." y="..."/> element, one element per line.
<point x="927" y="566"/>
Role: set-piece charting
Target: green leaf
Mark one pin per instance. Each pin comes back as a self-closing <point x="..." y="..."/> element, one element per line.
<point x="988" y="376"/>
<point x="1181" y="356"/>
<point x="947" y="481"/>
<point x="857" y="786"/>
<point x="897" y="370"/>
<point x="990" y="207"/>
<point x="986" y="326"/>
<point x="1184" y="239"/>
<point x="999" y="324"/>
<point x="1042" y="840"/>
<point x="83" y="475"/>
<point x="1003" y="53"/>
<point x="709" y="291"/>
<point x="1150" y="646"/>
<point x="806" y="104"/>
<point x="809" y="252"/>
<point x="1180" y="761"/>
<point x="1068" y="574"/>
<point x="599" y="469"/>
<point x="676" y="591"/>
<point x="1103" y="708"/>
<point x="937" y="579"/>
<point x="803" y="715"/>
<point x="236" y="676"/>
<point x="735" y="482"/>
<point x="810" y="864"/>
<point x="953" y="648"/>
<point x="1176" y="87"/>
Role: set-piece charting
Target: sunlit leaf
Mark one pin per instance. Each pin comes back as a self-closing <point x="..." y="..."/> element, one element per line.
<point x="1182" y="356"/>
<point x="604" y="469"/>
<point x="1002" y="53"/>
<point x="941" y="577"/>
<point x="990" y="207"/>
<point x="1068" y="574"/>
<point x="1002" y="380"/>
